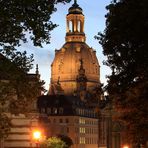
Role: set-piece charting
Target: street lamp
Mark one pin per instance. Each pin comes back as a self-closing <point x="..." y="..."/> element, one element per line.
<point x="125" y="146"/>
<point x="37" y="137"/>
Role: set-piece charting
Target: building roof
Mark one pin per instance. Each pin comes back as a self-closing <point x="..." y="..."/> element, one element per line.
<point x="59" y="101"/>
<point x="69" y="104"/>
<point x="75" y="9"/>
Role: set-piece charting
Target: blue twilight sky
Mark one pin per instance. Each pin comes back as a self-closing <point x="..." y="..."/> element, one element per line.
<point x="94" y="11"/>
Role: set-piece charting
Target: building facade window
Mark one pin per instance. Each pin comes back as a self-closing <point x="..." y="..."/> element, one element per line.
<point x="82" y="130"/>
<point x="67" y="120"/>
<point x="43" y="110"/>
<point x="48" y="111"/>
<point x="81" y="121"/>
<point x="55" y="110"/>
<point x="82" y="140"/>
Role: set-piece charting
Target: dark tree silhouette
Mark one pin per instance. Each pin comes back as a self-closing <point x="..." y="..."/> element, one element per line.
<point x="21" y="21"/>
<point x="32" y="16"/>
<point x="125" y="43"/>
<point x="68" y="141"/>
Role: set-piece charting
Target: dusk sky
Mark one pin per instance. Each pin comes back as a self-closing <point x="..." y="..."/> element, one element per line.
<point x="94" y="11"/>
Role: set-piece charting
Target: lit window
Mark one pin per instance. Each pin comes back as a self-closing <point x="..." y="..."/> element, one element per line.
<point x="55" y="110"/>
<point x="82" y="140"/>
<point x="79" y="26"/>
<point x="82" y="130"/>
<point x="82" y="121"/>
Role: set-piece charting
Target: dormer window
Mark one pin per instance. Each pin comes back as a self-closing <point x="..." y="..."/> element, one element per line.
<point x="48" y="110"/>
<point x="55" y="110"/>
<point x="42" y="110"/>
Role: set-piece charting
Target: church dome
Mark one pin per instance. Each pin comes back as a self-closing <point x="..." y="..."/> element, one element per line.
<point x="75" y="66"/>
<point x="66" y="65"/>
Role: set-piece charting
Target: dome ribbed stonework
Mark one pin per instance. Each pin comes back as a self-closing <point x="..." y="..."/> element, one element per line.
<point x="66" y="65"/>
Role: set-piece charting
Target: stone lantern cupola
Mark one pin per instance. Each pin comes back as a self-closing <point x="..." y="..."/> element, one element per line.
<point x="75" y="24"/>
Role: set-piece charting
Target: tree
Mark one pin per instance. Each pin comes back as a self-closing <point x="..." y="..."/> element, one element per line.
<point x="68" y="141"/>
<point x="4" y="126"/>
<point x="20" y="21"/>
<point x="15" y="86"/>
<point x="125" y="43"/>
<point x="53" y="142"/>
<point x="32" y="16"/>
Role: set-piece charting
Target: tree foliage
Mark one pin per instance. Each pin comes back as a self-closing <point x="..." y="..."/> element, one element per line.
<point x="68" y="141"/>
<point x="53" y="142"/>
<point x="15" y="86"/>
<point x="16" y="82"/>
<point x="18" y="89"/>
<point x="32" y="16"/>
<point x="4" y="125"/>
<point x="125" y="43"/>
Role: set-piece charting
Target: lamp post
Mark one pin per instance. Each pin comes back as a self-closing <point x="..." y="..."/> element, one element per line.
<point x="37" y="137"/>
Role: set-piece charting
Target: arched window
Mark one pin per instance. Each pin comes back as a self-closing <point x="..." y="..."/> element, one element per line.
<point x="55" y="110"/>
<point x="70" y="26"/>
<point x="79" y="26"/>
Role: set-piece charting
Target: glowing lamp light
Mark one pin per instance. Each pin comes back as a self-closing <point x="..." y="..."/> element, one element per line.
<point x="37" y="135"/>
<point x="125" y="146"/>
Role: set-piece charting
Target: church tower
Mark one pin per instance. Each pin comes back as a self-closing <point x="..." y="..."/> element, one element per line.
<point x="75" y="24"/>
<point x="66" y="64"/>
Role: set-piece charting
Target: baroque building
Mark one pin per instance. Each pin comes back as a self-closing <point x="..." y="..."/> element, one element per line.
<point x="72" y="100"/>
<point x="74" y="105"/>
